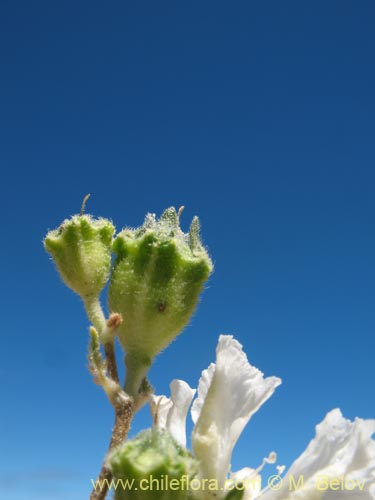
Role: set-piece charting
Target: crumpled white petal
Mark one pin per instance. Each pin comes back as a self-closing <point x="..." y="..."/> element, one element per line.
<point x="170" y="413"/>
<point x="182" y="395"/>
<point x="229" y="393"/>
<point x="203" y="387"/>
<point x="341" y="450"/>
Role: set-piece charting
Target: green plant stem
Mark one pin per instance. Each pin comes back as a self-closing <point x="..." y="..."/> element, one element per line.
<point x="95" y="313"/>
<point x="136" y="370"/>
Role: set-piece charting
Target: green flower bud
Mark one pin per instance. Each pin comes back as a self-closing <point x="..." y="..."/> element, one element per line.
<point x="157" y="278"/>
<point x="152" y="466"/>
<point x="81" y="250"/>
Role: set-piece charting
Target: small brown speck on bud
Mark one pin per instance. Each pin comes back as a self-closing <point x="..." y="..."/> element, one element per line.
<point x="114" y="320"/>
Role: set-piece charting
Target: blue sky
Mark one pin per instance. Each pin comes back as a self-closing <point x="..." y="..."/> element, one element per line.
<point x="258" y="117"/>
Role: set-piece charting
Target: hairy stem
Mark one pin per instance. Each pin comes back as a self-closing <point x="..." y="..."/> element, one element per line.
<point x="123" y="405"/>
<point x="124" y="413"/>
<point x="109" y="349"/>
<point x="136" y="370"/>
<point x="95" y="313"/>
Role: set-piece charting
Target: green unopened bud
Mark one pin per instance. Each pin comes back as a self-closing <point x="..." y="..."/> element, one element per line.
<point x="81" y="250"/>
<point x="157" y="278"/>
<point x="152" y="466"/>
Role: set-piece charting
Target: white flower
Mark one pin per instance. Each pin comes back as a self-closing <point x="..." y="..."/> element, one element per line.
<point x="229" y="393"/>
<point x="339" y="462"/>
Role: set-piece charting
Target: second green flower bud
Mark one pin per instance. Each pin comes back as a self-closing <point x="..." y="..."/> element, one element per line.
<point x="157" y="278"/>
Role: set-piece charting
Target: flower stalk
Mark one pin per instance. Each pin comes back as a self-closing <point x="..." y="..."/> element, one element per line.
<point x="124" y="412"/>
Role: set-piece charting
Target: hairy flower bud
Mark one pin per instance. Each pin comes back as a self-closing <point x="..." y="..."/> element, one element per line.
<point x="153" y="466"/>
<point x="81" y="250"/>
<point x="157" y="278"/>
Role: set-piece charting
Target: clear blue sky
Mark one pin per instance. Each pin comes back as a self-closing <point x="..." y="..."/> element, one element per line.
<point x="258" y="117"/>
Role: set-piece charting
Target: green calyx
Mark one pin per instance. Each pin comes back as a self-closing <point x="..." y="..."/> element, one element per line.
<point x="81" y="249"/>
<point x="152" y="466"/>
<point x="155" y="285"/>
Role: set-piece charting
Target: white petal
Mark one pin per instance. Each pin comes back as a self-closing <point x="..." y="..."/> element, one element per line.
<point x="203" y="386"/>
<point x="182" y="395"/>
<point x="235" y="393"/>
<point x="341" y="450"/>
<point x="160" y="407"/>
